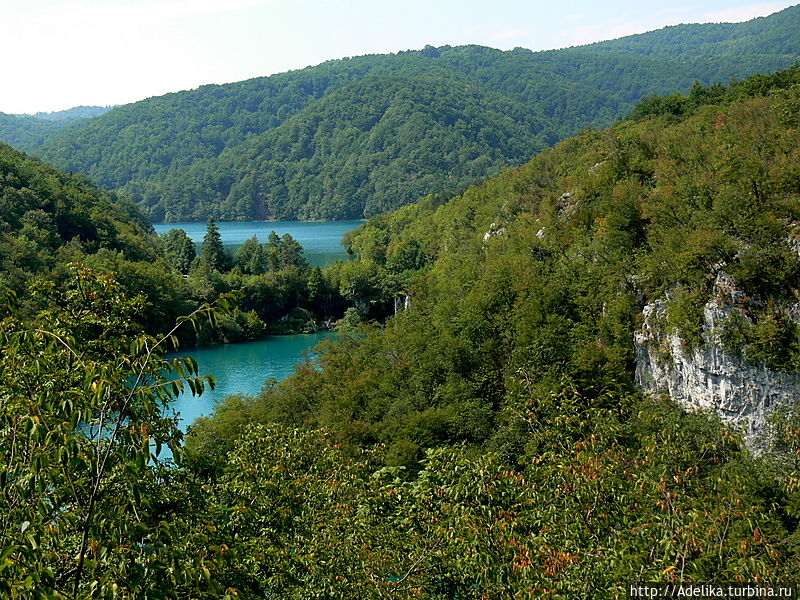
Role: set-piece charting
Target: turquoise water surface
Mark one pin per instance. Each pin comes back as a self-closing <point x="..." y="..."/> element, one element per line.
<point x="320" y="240"/>
<point x="242" y="369"/>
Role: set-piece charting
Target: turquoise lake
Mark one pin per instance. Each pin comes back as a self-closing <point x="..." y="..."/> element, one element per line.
<point x="242" y="369"/>
<point x="321" y="241"/>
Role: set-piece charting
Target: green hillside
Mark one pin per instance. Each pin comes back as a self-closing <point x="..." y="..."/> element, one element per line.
<point x="544" y="269"/>
<point x="70" y="115"/>
<point x="367" y="148"/>
<point x="764" y="38"/>
<point x="50" y="222"/>
<point x="283" y="146"/>
<point x="486" y="441"/>
<point x="502" y="397"/>
<point x="30" y="131"/>
<point x="25" y="131"/>
<point x="43" y="210"/>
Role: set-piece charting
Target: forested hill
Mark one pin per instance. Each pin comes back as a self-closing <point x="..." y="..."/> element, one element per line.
<point x="544" y="269"/>
<point x="764" y="38"/>
<point x="360" y="136"/>
<point x="51" y="221"/>
<point x="70" y="115"/>
<point x="30" y="131"/>
<point x="505" y="387"/>
<point x="42" y="210"/>
<point x="25" y="131"/>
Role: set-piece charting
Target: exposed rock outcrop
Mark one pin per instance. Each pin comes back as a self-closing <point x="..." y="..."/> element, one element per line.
<point x="709" y="376"/>
<point x="494" y="230"/>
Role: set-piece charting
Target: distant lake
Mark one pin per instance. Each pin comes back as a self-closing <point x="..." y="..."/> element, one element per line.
<point x="242" y="369"/>
<point x="320" y="240"/>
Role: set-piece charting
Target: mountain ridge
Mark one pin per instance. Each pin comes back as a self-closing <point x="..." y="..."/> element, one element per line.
<point x="184" y="155"/>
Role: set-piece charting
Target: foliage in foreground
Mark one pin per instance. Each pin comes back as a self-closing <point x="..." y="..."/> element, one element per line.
<point x="608" y="491"/>
<point x="84" y="396"/>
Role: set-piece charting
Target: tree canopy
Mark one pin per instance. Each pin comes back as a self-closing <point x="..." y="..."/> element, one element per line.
<point x="362" y="136"/>
<point x="474" y="432"/>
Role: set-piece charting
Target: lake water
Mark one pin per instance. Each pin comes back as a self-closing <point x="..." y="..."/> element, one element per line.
<point x="242" y="369"/>
<point x="320" y="240"/>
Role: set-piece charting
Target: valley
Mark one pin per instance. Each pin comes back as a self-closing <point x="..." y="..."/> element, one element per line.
<point x="447" y="323"/>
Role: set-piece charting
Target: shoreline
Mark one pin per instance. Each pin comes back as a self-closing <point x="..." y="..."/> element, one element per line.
<point x="262" y="221"/>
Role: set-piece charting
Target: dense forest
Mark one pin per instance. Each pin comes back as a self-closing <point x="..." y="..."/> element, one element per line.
<point x="764" y="39"/>
<point x="30" y="131"/>
<point x="487" y="441"/>
<point x="515" y="354"/>
<point x="51" y="222"/>
<point x="544" y="269"/>
<point x="70" y="115"/>
<point x="25" y="131"/>
<point x="360" y="136"/>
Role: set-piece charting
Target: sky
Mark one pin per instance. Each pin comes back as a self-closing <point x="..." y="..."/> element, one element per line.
<point x="63" y="53"/>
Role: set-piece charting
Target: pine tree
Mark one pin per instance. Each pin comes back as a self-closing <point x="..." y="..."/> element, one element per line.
<point x="213" y="254"/>
<point x="273" y="249"/>
<point x="292" y="253"/>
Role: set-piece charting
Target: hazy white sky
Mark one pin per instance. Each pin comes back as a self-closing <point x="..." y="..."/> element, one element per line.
<point x="63" y="53"/>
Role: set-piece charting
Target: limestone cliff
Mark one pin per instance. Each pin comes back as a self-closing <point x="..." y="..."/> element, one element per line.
<point x="711" y="377"/>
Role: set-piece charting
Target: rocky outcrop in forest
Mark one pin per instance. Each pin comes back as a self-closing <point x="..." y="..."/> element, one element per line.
<point x="709" y="376"/>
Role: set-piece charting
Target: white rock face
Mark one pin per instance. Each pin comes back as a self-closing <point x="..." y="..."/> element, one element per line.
<point x="709" y="377"/>
<point x="494" y="230"/>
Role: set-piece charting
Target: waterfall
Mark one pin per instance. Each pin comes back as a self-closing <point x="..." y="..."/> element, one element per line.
<point x="404" y="303"/>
